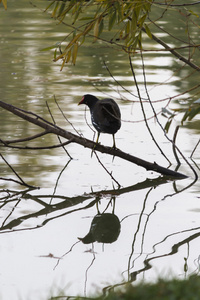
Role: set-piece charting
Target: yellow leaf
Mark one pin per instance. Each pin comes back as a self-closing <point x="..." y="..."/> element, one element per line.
<point x="66" y="59"/>
<point x="63" y="63"/>
<point x="73" y="41"/>
<point x="4" y="3"/>
<point x="53" y="14"/>
<point x="88" y="28"/>
<point x="96" y="29"/>
<point x="60" y="56"/>
<point x="68" y="56"/>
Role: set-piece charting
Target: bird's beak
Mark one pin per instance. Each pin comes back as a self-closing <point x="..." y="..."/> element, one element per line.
<point x="81" y="102"/>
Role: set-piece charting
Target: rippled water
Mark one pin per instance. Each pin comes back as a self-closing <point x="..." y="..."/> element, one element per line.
<point x="39" y="253"/>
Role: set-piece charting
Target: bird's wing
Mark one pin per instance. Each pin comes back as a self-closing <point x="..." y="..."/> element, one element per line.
<point x="110" y="108"/>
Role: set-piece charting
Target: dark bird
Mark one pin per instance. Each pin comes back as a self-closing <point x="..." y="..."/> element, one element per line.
<point x="105" y="115"/>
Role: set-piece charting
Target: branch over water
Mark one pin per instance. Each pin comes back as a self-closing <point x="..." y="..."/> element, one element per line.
<point x="73" y="138"/>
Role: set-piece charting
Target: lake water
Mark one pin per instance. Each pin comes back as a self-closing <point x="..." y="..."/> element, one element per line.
<point x="40" y="253"/>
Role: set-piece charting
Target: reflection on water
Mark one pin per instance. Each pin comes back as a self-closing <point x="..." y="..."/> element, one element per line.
<point x="105" y="228"/>
<point x="144" y="229"/>
<point x="154" y="222"/>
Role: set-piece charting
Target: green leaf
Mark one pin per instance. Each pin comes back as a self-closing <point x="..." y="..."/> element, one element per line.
<point x="61" y="9"/>
<point x="137" y="11"/>
<point x="147" y="5"/>
<point x="133" y="25"/>
<point x="148" y="32"/>
<point x="51" y="47"/>
<point x="193" y="113"/>
<point x="74" y="53"/>
<point x="88" y="28"/>
<point x="119" y="11"/>
<point x="55" y="10"/>
<point x="167" y="125"/>
<point x="48" y="5"/>
<point x="185" y="117"/>
<point x="112" y="20"/>
<point x="193" y="13"/>
<point x="140" y="40"/>
<point x="77" y="13"/>
<point x="141" y="20"/>
<point x="101" y="26"/>
<point x="86" y="19"/>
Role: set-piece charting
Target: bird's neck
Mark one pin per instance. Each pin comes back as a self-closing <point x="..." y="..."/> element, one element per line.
<point x="92" y="104"/>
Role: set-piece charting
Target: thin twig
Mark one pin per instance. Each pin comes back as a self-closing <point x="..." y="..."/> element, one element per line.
<point x="143" y="111"/>
<point x="57" y="135"/>
<point x="64" y="116"/>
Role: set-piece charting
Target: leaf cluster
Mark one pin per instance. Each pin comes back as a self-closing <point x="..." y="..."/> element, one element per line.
<point x="92" y="18"/>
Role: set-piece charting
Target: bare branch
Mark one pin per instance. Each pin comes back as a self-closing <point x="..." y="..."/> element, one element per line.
<point x="178" y="5"/>
<point x="174" y="52"/>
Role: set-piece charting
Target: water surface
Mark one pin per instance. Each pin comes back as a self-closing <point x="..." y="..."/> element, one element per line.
<point x="39" y="253"/>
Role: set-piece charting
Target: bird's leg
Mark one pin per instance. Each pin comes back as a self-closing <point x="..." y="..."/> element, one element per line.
<point x="98" y="134"/>
<point x="114" y="145"/>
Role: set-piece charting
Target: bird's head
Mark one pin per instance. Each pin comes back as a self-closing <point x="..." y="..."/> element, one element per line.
<point x="88" y="100"/>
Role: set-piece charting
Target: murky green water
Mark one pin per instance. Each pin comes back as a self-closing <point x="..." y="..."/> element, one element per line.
<point x="159" y="218"/>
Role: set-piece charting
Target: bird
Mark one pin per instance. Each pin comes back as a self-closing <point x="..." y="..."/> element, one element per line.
<point x="105" y="115"/>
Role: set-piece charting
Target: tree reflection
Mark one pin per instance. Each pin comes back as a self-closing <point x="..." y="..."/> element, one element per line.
<point x="59" y="203"/>
<point x="105" y="225"/>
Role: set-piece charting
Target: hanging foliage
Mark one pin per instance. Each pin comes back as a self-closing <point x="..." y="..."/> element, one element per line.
<point x="93" y="18"/>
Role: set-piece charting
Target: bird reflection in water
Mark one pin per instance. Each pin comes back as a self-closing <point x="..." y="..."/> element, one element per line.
<point x="105" y="228"/>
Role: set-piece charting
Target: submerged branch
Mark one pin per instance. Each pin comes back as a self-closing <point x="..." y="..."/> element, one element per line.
<point x="73" y="138"/>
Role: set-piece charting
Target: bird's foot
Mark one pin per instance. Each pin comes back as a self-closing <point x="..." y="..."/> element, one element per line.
<point x="93" y="149"/>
